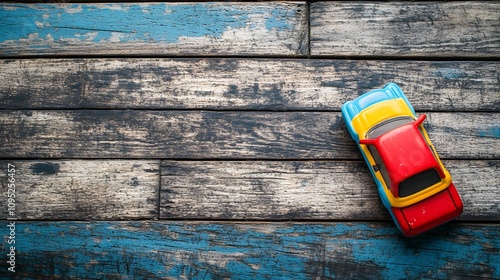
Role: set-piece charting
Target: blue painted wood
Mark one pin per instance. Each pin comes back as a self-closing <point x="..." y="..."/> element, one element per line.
<point x="198" y="250"/>
<point x="208" y="28"/>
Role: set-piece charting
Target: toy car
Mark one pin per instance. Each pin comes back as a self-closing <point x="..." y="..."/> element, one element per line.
<point x="412" y="182"/>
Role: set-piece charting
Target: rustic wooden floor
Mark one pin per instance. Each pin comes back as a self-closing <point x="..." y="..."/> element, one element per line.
<point x="204" y="140"/>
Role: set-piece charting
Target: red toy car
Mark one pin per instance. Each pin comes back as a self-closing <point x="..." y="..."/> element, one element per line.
<point x="412" y="182"/>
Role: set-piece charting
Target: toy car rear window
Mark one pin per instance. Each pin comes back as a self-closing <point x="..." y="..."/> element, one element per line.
<point x="419" y="182"/>
<point x="387" y="125"/>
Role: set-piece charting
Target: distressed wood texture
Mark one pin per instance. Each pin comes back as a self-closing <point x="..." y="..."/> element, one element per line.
<point x="220" y="135"/>
<point x="443" y="29"/>
<point x="194" y="250"/>
<point x="262" y="29"/>
<point x="83" y="190"/>
<point x="301" y="190"/>
<point x="242" y="84"/>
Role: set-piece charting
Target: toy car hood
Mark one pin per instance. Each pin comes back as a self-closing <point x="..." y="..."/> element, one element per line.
<point x="405" y="153"/>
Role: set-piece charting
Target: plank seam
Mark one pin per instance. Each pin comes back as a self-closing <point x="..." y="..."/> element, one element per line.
<point x="158" y="196"/>
<point x="250" y="221"/>
<point x="308" y="16"/>
<point x="298" y="57"/>
<point x="146" y="109"/>
<point x="225" y="159"/>
<point x="221" y="159"/>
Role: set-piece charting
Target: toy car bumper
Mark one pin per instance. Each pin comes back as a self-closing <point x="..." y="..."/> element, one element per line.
<point x="429" y="213"/>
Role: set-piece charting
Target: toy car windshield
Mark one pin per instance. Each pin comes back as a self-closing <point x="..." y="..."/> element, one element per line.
<point x="387" y="126"/>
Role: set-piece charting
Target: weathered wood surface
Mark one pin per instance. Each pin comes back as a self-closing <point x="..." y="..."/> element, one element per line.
<point x="242" y="84"/>
<point x="441" y="29"/>
<point x="301" y="190"/>
<point x="211" y="112"/>
<point x="262" y="29"/>
<point x="220" y="135"/>
<point x="194" y="250"/>
<point x="260" y="190"/>
<point x="83" y="190"/>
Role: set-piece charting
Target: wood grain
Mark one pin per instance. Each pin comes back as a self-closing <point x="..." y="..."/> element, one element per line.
<point x="440" y="29"/>
<point x="192" y="250"/>
<point x="264" y="29"/>
<point x="242" y="84"/>
<point x="477" y="182"/>
<point x="84" y="190"/>
<point x="220" y="135"/>
<point x="302" y="190"/>
<point x="260" y="190"/>
<point x="43" y="83"/>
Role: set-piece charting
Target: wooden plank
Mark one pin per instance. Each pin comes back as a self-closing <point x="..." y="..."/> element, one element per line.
<point x="242" y="84"/>
<point x="301" y="190"/>
<point x="478" y="183"/>
<point x="41" y="83"/>
<point x="83" y="190"/>
<point x="441" y="29"/>
<point x="219" y="135"/>
<point x="112" y="189"/>
<point x="197" y="250"/>
<point x="262" y="29"/>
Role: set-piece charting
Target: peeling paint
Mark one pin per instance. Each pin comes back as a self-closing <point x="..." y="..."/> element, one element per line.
<point x="45" y="24"/>
<point x="285" y="251"/>
<point x="46" y="168"/>
<point x="493" y="132"/>
<point x="450" y="73"/>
